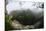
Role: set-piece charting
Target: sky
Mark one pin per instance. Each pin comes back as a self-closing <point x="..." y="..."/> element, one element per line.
<point x="22" y="4"/>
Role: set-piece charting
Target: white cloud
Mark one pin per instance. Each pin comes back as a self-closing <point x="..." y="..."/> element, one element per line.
<point x="16" y="5"/>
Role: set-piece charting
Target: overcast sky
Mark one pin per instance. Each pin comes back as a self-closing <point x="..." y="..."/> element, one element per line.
<point x="21" y="4"/>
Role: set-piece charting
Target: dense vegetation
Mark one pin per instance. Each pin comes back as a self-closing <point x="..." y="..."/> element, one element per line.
<point x="24" y="17"/>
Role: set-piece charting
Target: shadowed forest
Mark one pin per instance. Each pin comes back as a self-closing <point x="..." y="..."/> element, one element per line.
<point x="23" y="18"/>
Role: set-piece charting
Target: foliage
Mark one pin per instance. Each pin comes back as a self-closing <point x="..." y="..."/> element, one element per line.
<point x="7" y="22"/>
